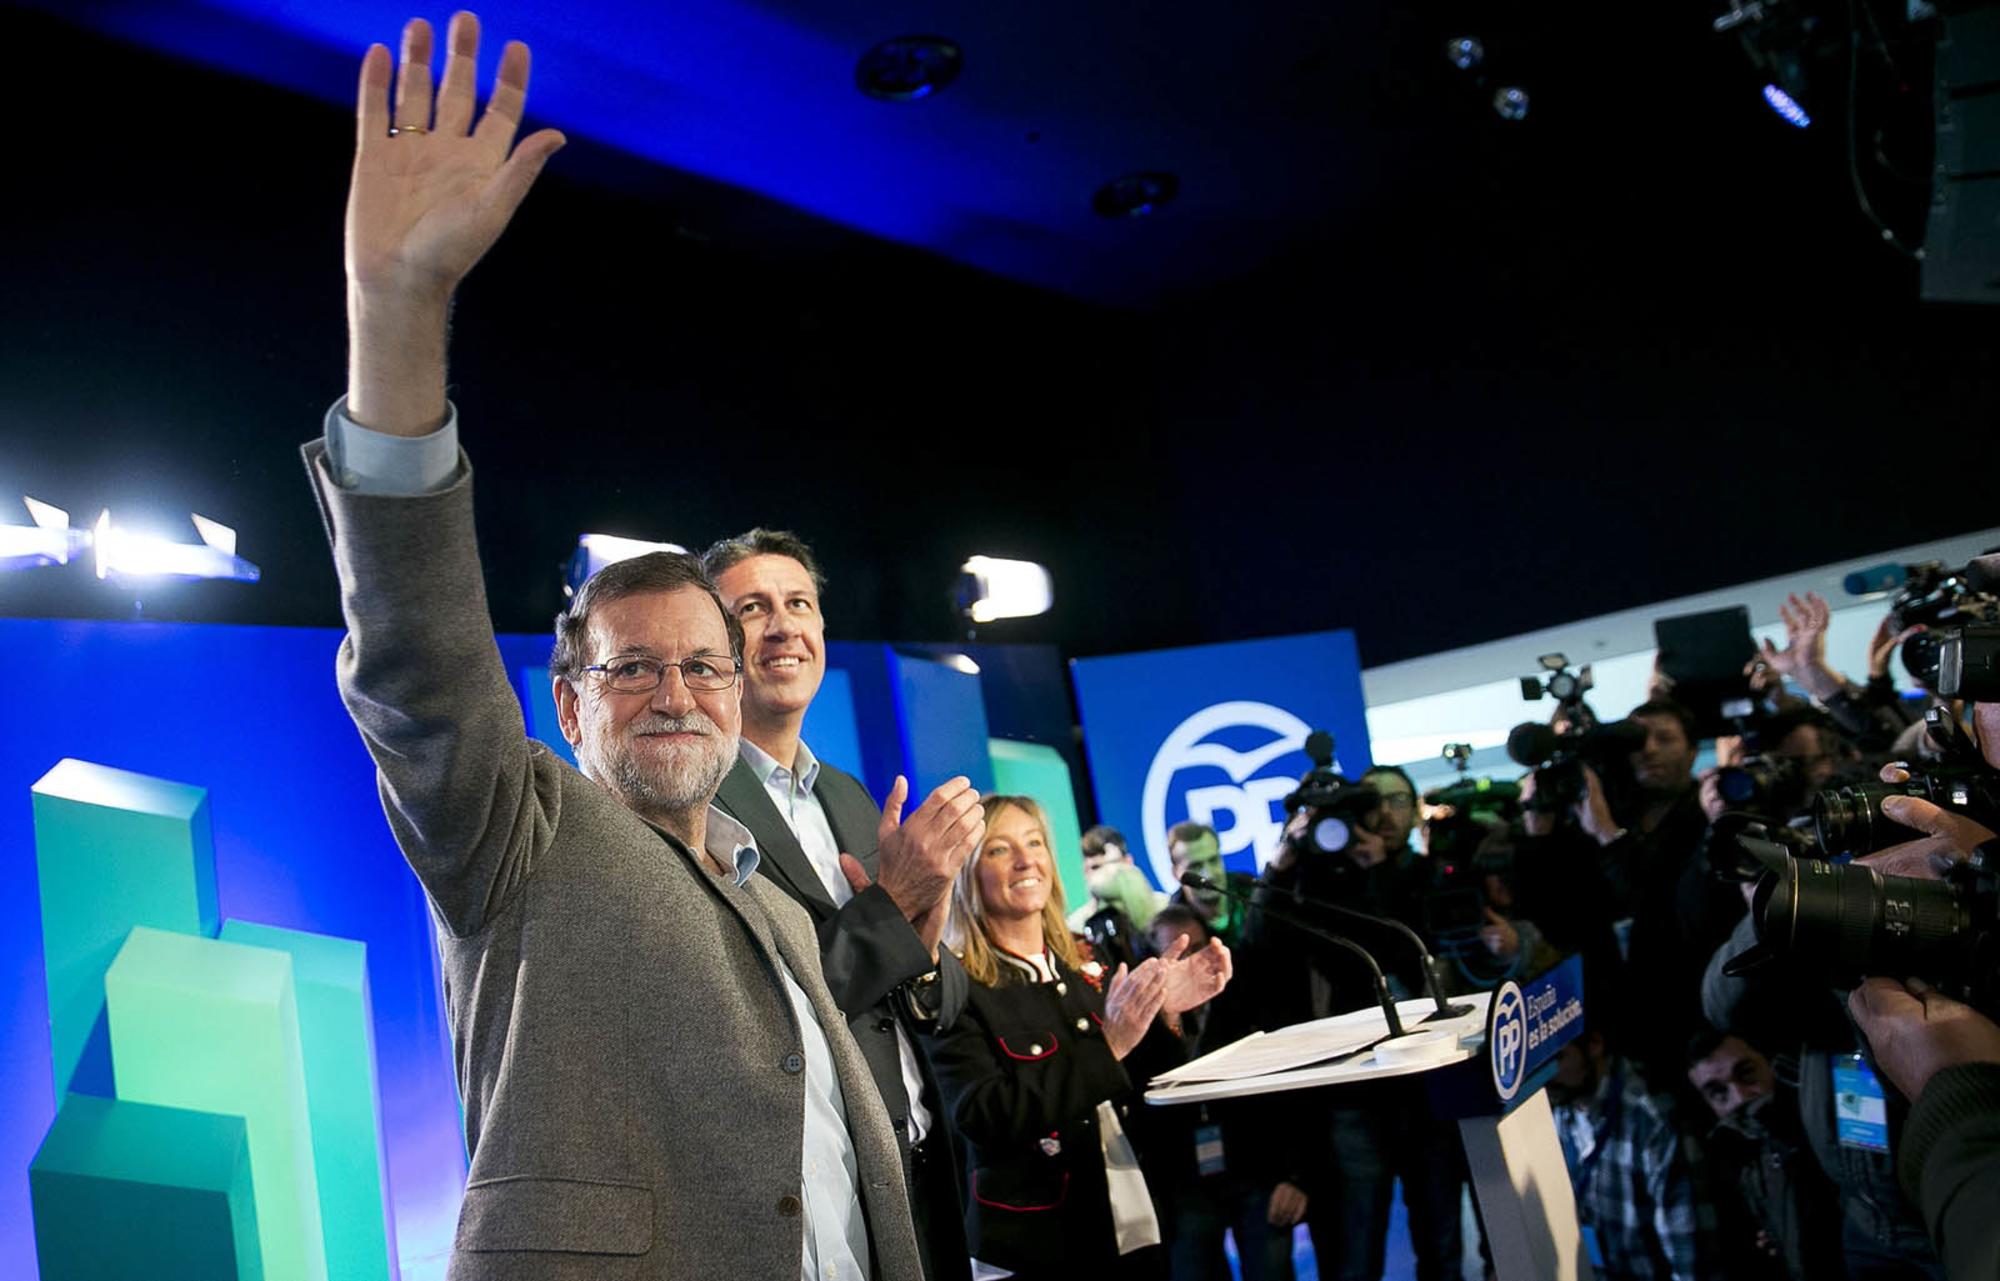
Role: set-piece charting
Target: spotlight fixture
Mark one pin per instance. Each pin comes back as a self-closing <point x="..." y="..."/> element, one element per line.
<point x="48" y="541"/>
<point x="1511" y="102"/>
<point x="907" y="68"/>
<point x="595" y="551"/>
<point x="1464" y="52"/>
<point x="960" y="662"/>
<point x="1135" y="195"/>
<point x="990" y="588"/>
<point x="1786" y="106"/>
<point x="122" y="554"/>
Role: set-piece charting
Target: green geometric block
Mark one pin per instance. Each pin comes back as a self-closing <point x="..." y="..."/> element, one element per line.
<point x="128" y="1190"/>
<point x="337" y="1037"/>
<point x="1037" y="770"/>
<point x="113" y="849"/>
<point x="211" y="1026"/>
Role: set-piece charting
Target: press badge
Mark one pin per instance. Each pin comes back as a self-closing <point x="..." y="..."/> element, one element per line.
<point x="1208" y="1149"/>
<point x="1860" y="1115"/>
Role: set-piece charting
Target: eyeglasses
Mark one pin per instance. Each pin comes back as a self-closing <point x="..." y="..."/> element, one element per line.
<point x="1398" y="801"/>
<point x="642" y="674"/>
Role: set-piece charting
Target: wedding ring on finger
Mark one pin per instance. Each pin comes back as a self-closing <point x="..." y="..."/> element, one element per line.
<point x="402" y="129"/>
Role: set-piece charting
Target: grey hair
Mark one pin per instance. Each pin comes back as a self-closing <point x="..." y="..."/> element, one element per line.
<point x="653" y="572"/>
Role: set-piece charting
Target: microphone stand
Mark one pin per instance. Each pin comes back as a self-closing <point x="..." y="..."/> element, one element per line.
<point x="1196" y="881"/>
<point x="1433" y="986"/>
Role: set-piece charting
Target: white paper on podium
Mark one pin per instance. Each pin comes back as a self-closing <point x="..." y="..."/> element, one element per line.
<point x="1324" y="1051"/>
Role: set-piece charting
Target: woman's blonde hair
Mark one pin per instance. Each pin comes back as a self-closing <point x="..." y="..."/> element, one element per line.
<point x="968" y="933"/>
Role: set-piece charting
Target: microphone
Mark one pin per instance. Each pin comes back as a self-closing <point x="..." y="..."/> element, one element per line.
<point x="1531" y="742"/>
<point x="1876" y="578"/>
<point x="1196" y="881"/>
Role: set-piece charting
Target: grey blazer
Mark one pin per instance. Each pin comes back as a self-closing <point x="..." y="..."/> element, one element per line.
<point x="627" y="1056"/>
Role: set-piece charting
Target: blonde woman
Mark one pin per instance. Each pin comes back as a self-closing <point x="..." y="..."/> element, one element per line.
<point x="1041" y="1072"/>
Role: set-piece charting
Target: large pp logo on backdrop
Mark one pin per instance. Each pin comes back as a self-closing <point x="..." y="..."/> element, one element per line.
<point x="1215" y="733"/>
<point x="1213" y="769"/>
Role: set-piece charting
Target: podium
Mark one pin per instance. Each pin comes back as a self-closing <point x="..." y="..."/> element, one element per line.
<point x="1486" y="1068"/>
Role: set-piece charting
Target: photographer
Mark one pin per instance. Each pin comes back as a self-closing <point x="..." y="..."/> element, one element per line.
<point x="1854" y="1126"/>
<point x="1779" y="1216"/>
<point x="1605" y="866"/>
<point x="1941" y="1053"/>
<point x="1379" y="1131"/>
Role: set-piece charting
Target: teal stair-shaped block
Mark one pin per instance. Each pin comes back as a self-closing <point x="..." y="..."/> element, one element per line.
<point x="113" y="850"/>
<point x="126" y="1190"/>
<point x="214" y="1027"/>
<point x="337" y="1037"/>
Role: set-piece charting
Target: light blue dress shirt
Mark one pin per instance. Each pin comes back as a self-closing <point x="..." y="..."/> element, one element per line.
<point x="836" y="1231"/>
<point x="791" y="790"/>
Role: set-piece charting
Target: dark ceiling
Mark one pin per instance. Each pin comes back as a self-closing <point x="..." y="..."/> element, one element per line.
<point x="1389" y="361"/>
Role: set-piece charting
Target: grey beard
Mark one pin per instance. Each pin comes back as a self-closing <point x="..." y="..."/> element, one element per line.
<point x="656" y="791"/>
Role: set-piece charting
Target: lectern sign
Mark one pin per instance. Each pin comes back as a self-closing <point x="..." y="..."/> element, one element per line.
<point x="1528" y="1025"/>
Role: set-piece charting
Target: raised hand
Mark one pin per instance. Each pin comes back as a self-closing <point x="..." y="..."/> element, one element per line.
<point x="921" y="855"/>
<point x="1131" y="1001"/>
<point x="430" y="194"/>
<point x="1803" y="658"/>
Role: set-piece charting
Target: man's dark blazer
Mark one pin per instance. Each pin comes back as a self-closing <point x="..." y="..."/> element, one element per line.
<point x="880" y="975"/>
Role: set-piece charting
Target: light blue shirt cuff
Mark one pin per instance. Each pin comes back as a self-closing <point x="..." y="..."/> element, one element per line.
<point x="375" y="462"/>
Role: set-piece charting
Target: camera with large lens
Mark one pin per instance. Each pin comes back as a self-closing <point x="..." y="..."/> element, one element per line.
<point x="1774" y="785"/>
<point x="1940" y="599"/>
<point x="1849" y="820"/>
<point x="1847" y="921"/>
<point x="1335" y="806"/>
<point x="1558" y="755"/>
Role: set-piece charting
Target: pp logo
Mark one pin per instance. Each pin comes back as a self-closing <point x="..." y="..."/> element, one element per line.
<point x="1225" y="789"/>
<point x="1507" y="1040"/>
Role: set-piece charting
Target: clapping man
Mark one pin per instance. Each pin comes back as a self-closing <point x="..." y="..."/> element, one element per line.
<point x="878" y="886"/>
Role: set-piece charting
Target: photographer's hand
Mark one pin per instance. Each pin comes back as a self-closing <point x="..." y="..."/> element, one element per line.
<point x="1886" y="642"/>
<point x="1593" y="812"/>
<point x="1500" y="936"/>
<point x="1948" y="837"/>
<point x="1365" y="848"/>
<point x="1535" y="822"/>
<point x="1916" y="1032"/>
<point x="1712" y="802"/>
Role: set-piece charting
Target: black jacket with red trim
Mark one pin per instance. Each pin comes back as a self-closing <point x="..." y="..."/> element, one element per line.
<point x="1022" y="1073"/>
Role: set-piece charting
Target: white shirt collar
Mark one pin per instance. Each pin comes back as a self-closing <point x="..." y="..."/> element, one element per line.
<point x="731" y="846"/>
<point x="804" y="768"/>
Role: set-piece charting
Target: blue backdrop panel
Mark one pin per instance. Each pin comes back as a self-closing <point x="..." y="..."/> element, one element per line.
<point x="1216" y="733"/>
<point x="252" y="715"/>
<point x="831" y="726"/>
<point x="941" y="724"/>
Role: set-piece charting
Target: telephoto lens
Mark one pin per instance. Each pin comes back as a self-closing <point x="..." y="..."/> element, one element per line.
<point x="1847" y="922"/>
<point x="1849" y="820"/>
<point x="1762" y="782"/>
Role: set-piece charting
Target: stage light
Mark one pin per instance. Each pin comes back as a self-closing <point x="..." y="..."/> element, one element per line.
<point x="1135" y="195"/>
<point x="1786" y="106"/>
<point x="960" y="662"/>
<point x="1511" y="102"/>
<point x="991" y="588"/>
<point x="908" y="68"/>
<point x="48" y="541"/>
<point x="122" y="554"/>
<point x="1464" y="52"/>
<point x="595" y="551"/>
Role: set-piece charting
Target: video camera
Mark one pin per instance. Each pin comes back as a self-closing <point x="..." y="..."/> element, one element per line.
<point x="1558" y="756"/>
<point x="1454" y="907"/>
<point x="1337" y="806"/>
<point x="1938" y="599"/>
